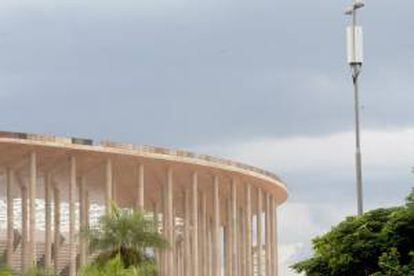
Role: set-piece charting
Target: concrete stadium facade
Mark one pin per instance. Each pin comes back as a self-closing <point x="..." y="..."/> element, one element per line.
<point x="219" y="216"/>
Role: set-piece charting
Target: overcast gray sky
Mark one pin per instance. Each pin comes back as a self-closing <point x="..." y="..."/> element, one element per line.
<point x="262" y="81"/>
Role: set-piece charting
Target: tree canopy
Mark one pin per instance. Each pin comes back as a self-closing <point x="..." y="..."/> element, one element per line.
<point x="380" y="242"/>
<point x="115" y="267"/>
<point x="128" y="234"/>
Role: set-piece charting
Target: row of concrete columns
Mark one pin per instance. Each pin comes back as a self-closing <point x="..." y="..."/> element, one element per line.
<point x="216" y="240"/>
<point x="28" y="198"/>
<point x="215" y="246"/>
<point x="52" y="240"/>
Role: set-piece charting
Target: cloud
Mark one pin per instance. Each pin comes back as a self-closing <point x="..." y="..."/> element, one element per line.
<point x="294" y="234"/>
<point x="323" y="153"/>
<point x="189" y="72"/>
<point x="288" y="255"/>
<point x="319" y="172"/>
<point x="299" y="223"/>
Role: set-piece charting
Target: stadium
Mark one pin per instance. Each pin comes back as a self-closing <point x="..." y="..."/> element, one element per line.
<point x="218" y="216"/>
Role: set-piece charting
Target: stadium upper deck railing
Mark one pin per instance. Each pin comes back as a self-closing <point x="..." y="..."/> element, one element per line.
<point x="137" y="148"/>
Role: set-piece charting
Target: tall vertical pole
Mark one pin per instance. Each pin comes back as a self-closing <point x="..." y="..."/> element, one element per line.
<point x="10" y="215"/>
<point x="195" y="224"/>
<point x="32" y="192"/>
<point x="355" y="61"/>
<point x="358" y="161"/>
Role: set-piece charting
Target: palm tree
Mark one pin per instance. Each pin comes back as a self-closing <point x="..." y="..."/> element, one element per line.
<point x="129" y="234"/>
<point x="116" y="267"/>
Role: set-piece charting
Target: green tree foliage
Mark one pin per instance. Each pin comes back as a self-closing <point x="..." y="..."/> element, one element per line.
<point x="390" y="265"/>
<point x="129" y="234"/>
<point x="365" y="245"/>
<point x="5" y="271"/>
<point x="116" y="267"/>
<point x="34" y="271"/>
<point x="40" y="271"/>
<point x="410" y="199"/>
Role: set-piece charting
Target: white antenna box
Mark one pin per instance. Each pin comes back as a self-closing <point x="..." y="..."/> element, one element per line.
<point x="355" y="51"/>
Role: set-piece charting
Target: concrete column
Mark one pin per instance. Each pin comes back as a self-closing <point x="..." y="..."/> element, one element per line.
<point x="209" y="248"/>
<point x="234" y="228"/>
<point x="32" y="192"/>
<point x="268" y="238"/>
<point x="242" y="242"/>
<point x="200" y="234"/>
<point x="225" y="250"/>
<point x="181" y="258"/>
<point x="82" y="222"/>
<point x="187" y="233"/>
<point x="204" y="235"/>
<point x="240" y="260"/>
<point x="87" y="224"/>
<point x="114" y="195"/>
<point x="174" y="237"/>
<point x="173" y="241"/>
<point x="229" y="239"/>
<point x="72" y="234"/>
<point x="108" y="185"/>
<point x="163" y="204"/>
<point x="259" y="231"/>
<point x="141" y="188"/>
<point x="249" y="267"/>
<point x="274" y="234"/>
<point x="48" y="221"/>
<point x="178" y="263"/>
<point x="170" y="223"/>
<point x="56" y="235"/>
<point x="24" y="229"/>
<point x="177" y="260"/>
<point x="10" y="215"/>
<point x="182" y="261"/>
<point x="156" y="223"/>
<point x="194" y="213"/>
<point x="216" y="231"/>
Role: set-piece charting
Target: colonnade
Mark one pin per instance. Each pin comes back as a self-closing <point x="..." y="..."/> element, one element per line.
<point x="216" y="229"/>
